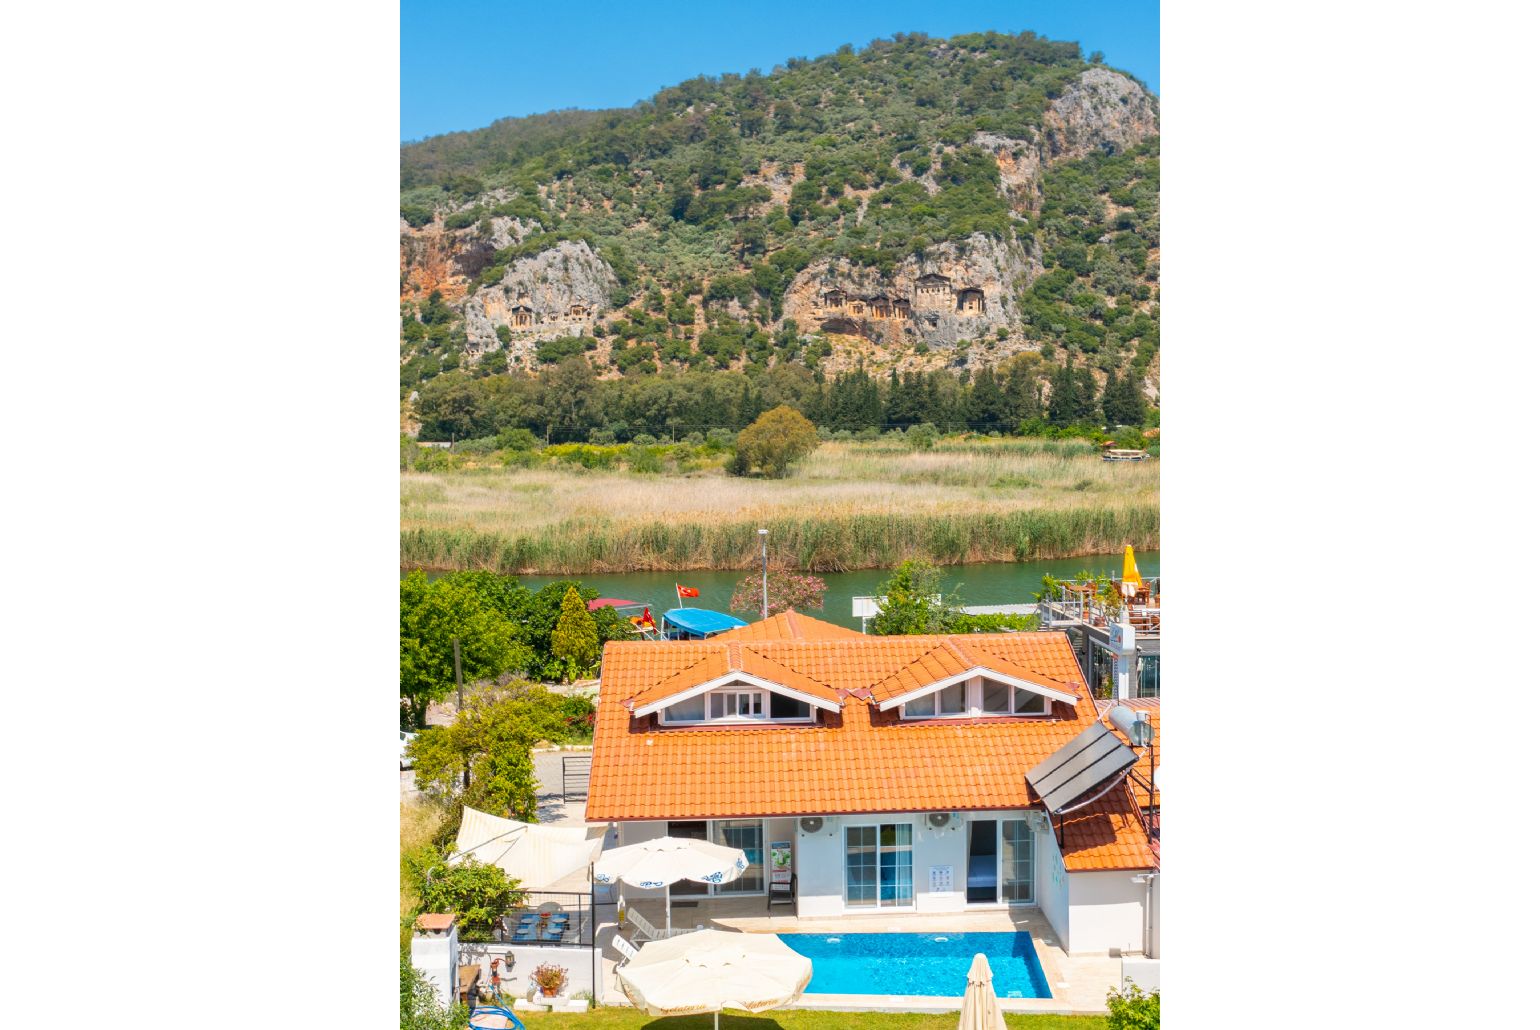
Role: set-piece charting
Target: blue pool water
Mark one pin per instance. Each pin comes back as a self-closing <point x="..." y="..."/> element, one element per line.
<point x="918" y="963"/>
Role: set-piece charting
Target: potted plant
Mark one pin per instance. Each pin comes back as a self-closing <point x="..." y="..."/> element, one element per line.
<point x="550" y="978"/>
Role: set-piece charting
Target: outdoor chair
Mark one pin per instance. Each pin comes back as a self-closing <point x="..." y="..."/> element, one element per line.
<point x="648" y="932"/>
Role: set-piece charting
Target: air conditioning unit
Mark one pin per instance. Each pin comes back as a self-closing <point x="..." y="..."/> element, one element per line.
<point x="939" y="820"/>
<point x="811" y="824"/>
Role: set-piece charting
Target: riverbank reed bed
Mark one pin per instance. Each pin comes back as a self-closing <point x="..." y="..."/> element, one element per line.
<point x="847" y="506"/>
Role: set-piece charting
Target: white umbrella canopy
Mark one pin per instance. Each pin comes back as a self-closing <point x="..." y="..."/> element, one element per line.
<point x="664" y="861"/>
<point x="712" y="970"/>
<point x="981" y="1008"/>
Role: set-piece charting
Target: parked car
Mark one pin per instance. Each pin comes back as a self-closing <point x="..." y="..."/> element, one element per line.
<point x="406" y="738"/>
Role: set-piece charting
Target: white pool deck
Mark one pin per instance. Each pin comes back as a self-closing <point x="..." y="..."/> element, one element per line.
<point x="1079" y="982"/>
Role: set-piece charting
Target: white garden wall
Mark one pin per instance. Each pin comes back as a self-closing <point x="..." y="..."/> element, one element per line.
<point x="1106" y="910"/>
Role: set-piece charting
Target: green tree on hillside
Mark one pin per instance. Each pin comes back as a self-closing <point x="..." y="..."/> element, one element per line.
<point x="776" y="439"/>
<point x="575" y="641"/>
<point x="1122" y="400"/>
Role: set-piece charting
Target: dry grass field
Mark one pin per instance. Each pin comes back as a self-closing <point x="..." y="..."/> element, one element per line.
<point x="849" y="505"/>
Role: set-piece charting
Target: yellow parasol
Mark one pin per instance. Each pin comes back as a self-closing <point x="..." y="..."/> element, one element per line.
<point x="1131" y="580"/>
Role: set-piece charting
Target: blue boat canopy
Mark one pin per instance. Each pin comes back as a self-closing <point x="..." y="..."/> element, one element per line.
<point x="700" y="622"/>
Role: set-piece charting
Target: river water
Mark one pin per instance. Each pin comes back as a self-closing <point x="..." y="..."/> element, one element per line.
<point x="993" y="583"/>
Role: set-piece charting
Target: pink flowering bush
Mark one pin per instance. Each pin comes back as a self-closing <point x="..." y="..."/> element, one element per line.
<point x="788" y="590"/>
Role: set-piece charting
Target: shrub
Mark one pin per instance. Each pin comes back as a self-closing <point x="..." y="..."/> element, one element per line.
<point x="646" y="459"/>
<point x="476" y="892"/>
<point x="644" y="440"/>
<point x="420" y="1008"/>
<point x="922" y="437"/>
<point x="519" y="439"/>
<point x="1132" y="1009"/>
<point x="777" y="438"/>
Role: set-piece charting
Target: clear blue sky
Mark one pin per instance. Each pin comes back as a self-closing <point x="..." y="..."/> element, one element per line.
<point x="465" y="64"/>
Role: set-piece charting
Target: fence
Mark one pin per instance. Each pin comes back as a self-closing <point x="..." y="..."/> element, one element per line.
<point x="547" y="928"/>
<point x="574" y="776"/>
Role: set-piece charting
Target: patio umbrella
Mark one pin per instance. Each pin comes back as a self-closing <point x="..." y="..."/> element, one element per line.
<point x="1131" y="580"/>
<point x="981" y="1009"/>
<point x="712" y="970"/>
<point x="664" y="861"/>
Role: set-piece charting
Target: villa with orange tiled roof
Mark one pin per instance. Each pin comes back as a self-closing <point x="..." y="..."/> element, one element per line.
<point x="895" y="771"/>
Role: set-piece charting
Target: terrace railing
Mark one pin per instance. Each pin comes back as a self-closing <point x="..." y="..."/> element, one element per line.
<point x="513" y="927"/>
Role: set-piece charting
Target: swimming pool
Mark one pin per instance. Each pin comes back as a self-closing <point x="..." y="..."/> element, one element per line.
<point x="934" y="964"/>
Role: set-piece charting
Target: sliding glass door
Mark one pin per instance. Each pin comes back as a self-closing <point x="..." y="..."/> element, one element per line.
<point x="695" y="829"/>
<point x="749" y="835"/>
<point x="1015" y="861"/>
<point x="879" y="865"/>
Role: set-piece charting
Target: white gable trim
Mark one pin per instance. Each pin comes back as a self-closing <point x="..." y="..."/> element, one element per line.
<point x="727" y="681"/>
<point x="977" y="670"/>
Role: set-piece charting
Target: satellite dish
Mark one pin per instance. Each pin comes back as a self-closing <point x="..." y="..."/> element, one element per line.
<point x="939" y="820"/>
<point x="811" y="824"/>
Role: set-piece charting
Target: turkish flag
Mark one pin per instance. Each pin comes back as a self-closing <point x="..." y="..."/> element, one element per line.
<point x="646" y="616"/>
<point x="686" y="591"/>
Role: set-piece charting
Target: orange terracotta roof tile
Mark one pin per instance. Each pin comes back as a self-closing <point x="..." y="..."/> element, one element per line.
<point x="1106" y="834"/>
<point x="789" y="625"/>
<point x="857" y="760"/>
<point x="1151" y="705"/>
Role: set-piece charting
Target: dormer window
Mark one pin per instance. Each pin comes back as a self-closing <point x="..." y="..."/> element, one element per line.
<point x="739" y="697"/>
<point x="731" y="704"/>
<point x="975" y="697"/>
<point x="739" y="703"/>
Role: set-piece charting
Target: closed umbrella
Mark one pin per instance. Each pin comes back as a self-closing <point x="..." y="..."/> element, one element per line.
<point x="981" y="1009"/>
<point x="1131" y="580"/>
<point x="712" y="970"/>
<point x="664" y="861"/>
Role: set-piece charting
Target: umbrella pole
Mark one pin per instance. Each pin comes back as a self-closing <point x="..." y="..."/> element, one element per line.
<point x="716" y="1019"/>
<point x="668" y="909"/>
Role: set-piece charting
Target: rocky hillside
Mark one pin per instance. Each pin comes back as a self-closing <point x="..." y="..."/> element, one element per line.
<point x="917" y="205"/>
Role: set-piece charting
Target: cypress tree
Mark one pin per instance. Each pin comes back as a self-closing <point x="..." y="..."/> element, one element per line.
<point x="986" y="404"/>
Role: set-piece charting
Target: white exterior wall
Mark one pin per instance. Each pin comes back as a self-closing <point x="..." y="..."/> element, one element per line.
<point x="1053" y="886"/>
<point x="1106" y="910"/>
<point x="578" y="962"/>
<point x="437" y="958"/>
<point x="819" y="861"/>
<point x="945" y="847"/>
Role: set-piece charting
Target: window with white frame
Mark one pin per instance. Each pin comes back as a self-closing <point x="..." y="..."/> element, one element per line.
<point x="975" y="697"/>
<point x="738" y="704"/>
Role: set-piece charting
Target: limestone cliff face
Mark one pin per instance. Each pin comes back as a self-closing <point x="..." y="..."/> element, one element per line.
<point x="557" y="292"/>
<point x="953" y="292"/>
<point x="449" y="260"/>
<point x="1102" y="107"/>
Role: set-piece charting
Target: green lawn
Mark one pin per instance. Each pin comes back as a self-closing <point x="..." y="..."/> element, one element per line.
<point x="615" y="1018"/>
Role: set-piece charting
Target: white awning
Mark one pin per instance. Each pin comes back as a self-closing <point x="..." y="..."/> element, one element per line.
<point x="540" y="857"/>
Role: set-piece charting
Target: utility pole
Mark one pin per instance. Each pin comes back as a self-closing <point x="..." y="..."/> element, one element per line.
<point x="460" y="704"/>
<point x="764" y="574"/>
